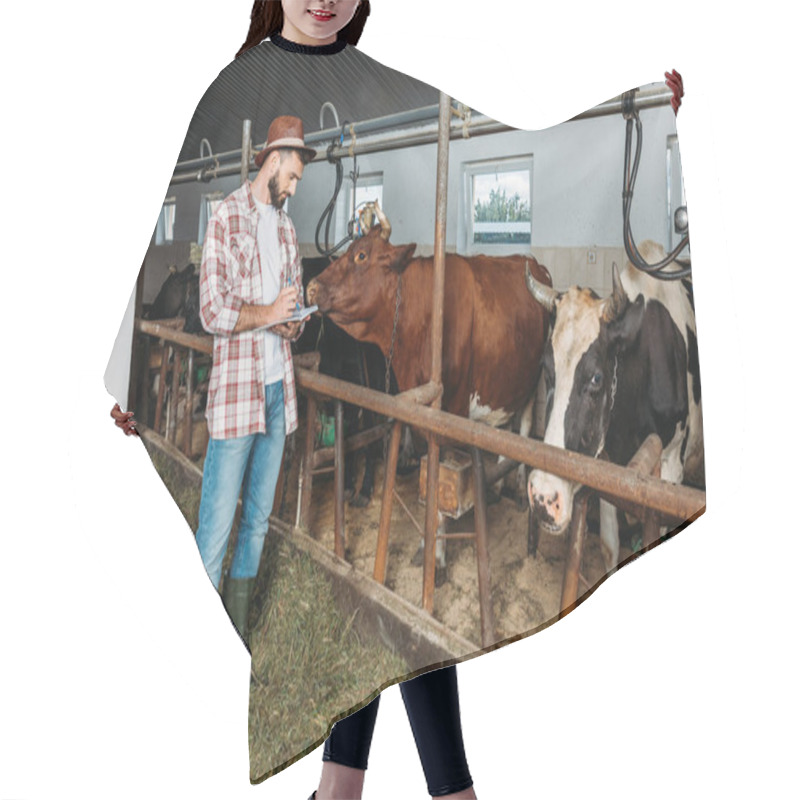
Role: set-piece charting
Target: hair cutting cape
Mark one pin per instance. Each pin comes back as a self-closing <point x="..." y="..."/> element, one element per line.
<point x="586" y="365"/>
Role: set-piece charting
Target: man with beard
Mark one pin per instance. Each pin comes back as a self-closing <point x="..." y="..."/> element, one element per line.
<point x="250" y="278"/>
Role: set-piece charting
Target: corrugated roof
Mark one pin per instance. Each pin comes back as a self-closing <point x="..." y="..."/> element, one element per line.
<point x="268" y="81"/>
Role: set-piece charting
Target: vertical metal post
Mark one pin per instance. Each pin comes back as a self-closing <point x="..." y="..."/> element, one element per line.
<point x="577" y="537"/>
<point x="338" y="480"/>
<point x="187" y="422"/>
<point x="482" y="551"/>
<point x="162" y="384"/>
<point x="306" y="475"/>
<point x="246" y="148"/>
<point x="390" y="473"/>
<point x="143" y="389"/>
<point x="440" y="240"/>
<point x="437" y="327"/>
<point x="173" y="400"/>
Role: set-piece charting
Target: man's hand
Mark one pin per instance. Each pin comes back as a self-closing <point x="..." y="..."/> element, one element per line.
<point x="284" y="306"/>
<point x="124" y="420"/>
<point x="675" y="82"/>
<point x="252" y="316"/>
<point x="288" y="330"/>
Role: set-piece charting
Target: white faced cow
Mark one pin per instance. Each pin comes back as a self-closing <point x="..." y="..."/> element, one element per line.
<point x="618" y="369"/>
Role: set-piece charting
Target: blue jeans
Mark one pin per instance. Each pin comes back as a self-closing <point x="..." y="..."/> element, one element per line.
<point x="254" y="460"/>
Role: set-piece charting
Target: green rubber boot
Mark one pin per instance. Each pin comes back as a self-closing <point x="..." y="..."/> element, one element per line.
<point x="236" y="593"/>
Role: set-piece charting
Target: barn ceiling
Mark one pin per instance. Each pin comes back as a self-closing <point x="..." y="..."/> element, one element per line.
<point x="267" y="82"/>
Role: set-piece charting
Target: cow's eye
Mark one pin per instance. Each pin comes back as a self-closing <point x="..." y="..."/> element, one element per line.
<point x="362" y="256"/>
<point x="597" y="380"/>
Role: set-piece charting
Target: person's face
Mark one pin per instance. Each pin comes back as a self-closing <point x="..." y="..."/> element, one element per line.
<point x="316" y="21"/>
<point x="285" y="177"/>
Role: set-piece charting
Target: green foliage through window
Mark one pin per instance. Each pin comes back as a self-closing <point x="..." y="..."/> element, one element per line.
<point x="501" y="208"/>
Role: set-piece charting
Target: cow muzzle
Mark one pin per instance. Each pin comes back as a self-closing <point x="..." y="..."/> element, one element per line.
<point x="313" y="293"/>
<point x="551" y="501"/>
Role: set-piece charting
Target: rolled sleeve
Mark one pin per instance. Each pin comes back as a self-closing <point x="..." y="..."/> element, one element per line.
<point x="219" y="306"/>
<point x="297" y="282"/>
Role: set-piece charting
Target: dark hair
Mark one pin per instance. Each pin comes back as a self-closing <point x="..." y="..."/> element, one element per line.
<point x="266" y="19"/>
<point x="303" y="155"/>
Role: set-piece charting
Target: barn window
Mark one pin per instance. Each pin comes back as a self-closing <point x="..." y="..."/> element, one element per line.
<point x="368" y="188"/>
<point x="165" y="227"/>
<point x="676" y="196"/>
<point x="208" y="206"/>
<point x="498" y="202"/>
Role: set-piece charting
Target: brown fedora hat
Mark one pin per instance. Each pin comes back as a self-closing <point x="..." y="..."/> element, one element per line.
<point x="284" y="131"/>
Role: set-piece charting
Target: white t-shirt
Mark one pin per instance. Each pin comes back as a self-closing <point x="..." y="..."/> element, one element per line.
<point x="269" y="252"/>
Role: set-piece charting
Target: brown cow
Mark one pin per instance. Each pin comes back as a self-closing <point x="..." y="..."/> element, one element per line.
<point x="493" y="334"/>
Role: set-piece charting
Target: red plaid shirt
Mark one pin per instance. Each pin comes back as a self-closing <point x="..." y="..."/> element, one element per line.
<point x="230" y="276"/>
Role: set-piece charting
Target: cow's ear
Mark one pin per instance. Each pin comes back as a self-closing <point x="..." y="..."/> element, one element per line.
<point x="400" y="257"/>
<point x="624" y="330"/>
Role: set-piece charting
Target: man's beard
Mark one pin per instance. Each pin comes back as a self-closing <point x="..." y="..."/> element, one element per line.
<point x="274" y="192"/>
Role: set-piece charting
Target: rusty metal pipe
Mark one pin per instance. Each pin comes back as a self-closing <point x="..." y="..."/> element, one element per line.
<point x="172" y="419"/>
<point x="675" y="503"/>
<point x="431" y="525"/>
<point x="439" y="242"/>
<point x="437" y="337"/>
<point x="244" y="169"/>
<point x="645" y="461"/>
<point x="338" y="480"/>
<point x="482" y="551"/>
<point x="494" y="472"/>
<point x="390" y="472"/>
<point x="162" y="385"/>
<point x="307" y="360"/>
<point x="389" y="133"/>
<point x="187" y="422"/>
<point x="577" y="537"/>
<point x="667" y="498"/>
<point x="306" y="468"/>
<point x="423" y="395"/>
<point x="647" y="458"/>
<point x="200" y="343"/>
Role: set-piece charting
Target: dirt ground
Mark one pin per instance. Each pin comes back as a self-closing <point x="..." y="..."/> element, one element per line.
<point x="526" y="591"/>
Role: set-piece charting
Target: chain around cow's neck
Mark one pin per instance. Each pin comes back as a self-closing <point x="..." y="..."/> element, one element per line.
<point x="398" y="297"/>
<point x="614" y="383"/>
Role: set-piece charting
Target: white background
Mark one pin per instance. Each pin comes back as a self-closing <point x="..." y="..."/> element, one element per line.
<point x="121" y="676"/>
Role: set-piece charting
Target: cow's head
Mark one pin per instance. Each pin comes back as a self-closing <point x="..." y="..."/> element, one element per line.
<point x="580" y="364"/>
<point x="355" y="289"/>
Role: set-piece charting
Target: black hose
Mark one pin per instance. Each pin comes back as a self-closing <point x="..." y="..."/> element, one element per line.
<point x="330" y="209"/>
<point x="629" y="179"/>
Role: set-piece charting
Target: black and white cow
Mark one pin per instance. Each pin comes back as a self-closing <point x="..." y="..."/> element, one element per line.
<point x="616" y="370"/>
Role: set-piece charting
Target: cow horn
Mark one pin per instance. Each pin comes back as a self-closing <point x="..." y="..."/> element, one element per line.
<point x="618" y="301"/>
<point x="546" y="295"/>
<point x="386" y="227"/>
